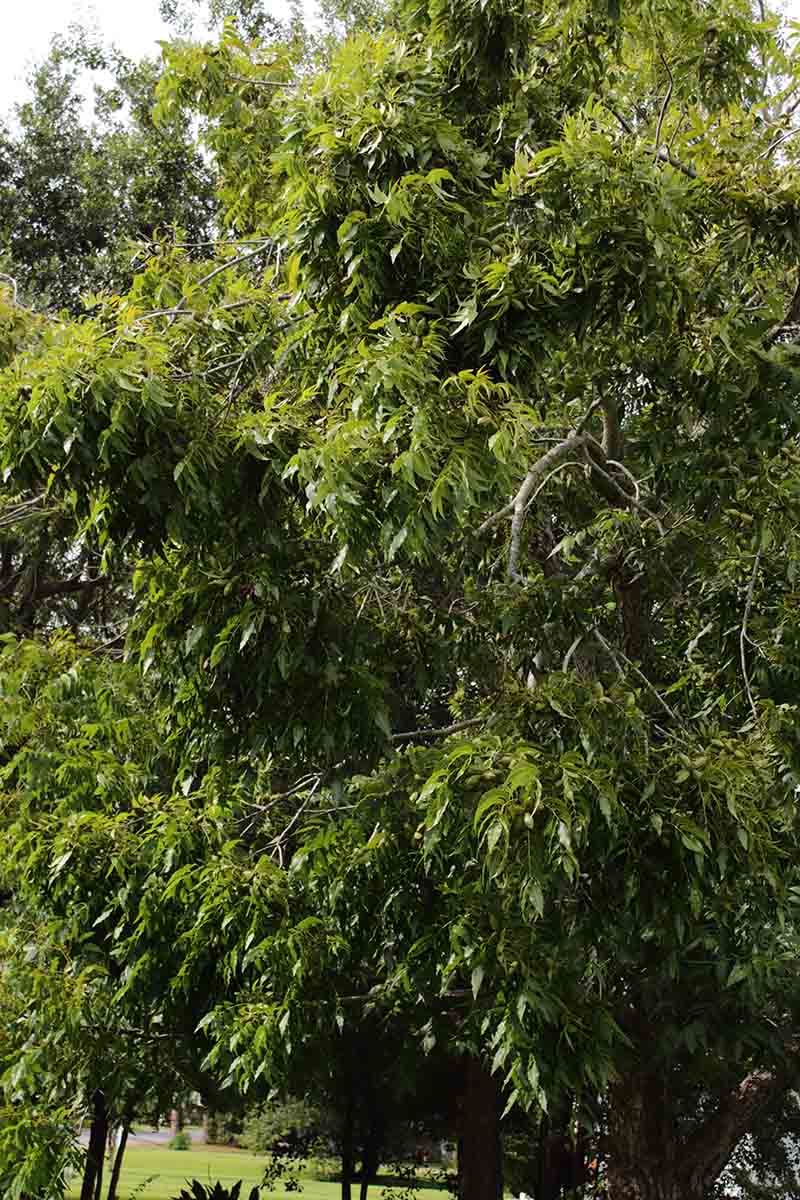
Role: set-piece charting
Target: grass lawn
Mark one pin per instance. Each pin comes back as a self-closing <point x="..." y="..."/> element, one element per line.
<point x="168" y="1171"/>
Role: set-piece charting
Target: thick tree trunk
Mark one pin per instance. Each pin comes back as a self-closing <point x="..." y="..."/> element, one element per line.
<point x="98" y="1134"/>
<point x="645" y="1157"/>
<point x="480" y="1169"/>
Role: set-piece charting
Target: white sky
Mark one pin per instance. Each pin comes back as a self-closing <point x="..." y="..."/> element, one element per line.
<point x="28" y="25"/>
<point x="133" y="25"/>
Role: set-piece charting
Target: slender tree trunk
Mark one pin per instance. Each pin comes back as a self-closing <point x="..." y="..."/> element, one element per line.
<point x="113" y="1183"/>
<point x="93" y="1170"/>
<point x="480" y="1161"/>
<point x="348" y="1146"/>
<point x="371" y="1161"/>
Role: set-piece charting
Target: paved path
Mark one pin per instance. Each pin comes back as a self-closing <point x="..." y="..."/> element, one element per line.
<point x="152" y="1137"/>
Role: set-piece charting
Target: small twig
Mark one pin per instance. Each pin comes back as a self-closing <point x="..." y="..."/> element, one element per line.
<point x="261" y="82"/>
<point x="784" y="137"/>
<point x="226" y="266"/>
<point x="743" y="634"/>
<point x="442" y="731"/>
<point x="650" y="687"/>
<point x="664" y="106"/>
<point x="277" y="841"/>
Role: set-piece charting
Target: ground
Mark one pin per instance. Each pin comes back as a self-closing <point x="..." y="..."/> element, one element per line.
<point x="152" y="1172"/>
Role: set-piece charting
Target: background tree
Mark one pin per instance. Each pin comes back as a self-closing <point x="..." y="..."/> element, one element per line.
<point x="77" y="193"/>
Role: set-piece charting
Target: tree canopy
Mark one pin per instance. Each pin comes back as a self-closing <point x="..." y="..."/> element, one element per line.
<point x="448" y="507"/>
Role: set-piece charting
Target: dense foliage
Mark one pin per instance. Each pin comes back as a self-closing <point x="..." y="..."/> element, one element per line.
<point x="449" y="508"/>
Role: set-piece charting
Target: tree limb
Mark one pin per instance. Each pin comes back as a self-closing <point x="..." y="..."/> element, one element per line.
<point x="710" y="1148"/>
<point x="650" y="687"/>
<point x="14" y="287"/>
<point x="63" y="587"/>
<point x="743" y="632"/>
<point x="664" y="106"/>
<point x="226" y="266"/>
<point x="414" y="735"/>
<point x="537" y="472"/>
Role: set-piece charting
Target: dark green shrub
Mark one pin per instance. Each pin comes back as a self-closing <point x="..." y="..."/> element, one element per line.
<point x="217" y="1191"/>
<point x="181" y="1141"/>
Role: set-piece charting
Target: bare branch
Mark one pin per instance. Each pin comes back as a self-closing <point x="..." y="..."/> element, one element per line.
<point x="613" y="462"/>
<point x="626" y="125"/>
<point x="784" y="137"/>
<point x="630" y="499"/>
<point x="748" y="605"/>
<point x="664" y="155"/>
<point x="63" y="587"/>
<point x="661" y="153"/>
<point x="579" y="428"/>
<point x="570" y="652"/>
<point x="414" y="735"/>
<point x="277" y="842"/>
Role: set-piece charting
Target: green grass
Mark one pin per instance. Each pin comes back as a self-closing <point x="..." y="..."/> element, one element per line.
<point x="170" y="1170"/>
